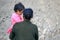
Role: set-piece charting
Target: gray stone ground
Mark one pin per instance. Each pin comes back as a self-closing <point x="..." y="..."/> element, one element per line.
<point x="46" y="17"/>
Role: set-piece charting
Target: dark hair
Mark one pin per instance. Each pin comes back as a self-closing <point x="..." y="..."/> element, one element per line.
<point x="19" y="7"/>
<point x="28" y="13"/>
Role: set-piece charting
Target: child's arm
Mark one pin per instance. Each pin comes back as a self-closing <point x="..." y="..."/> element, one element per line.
<point x="15" y="19"/>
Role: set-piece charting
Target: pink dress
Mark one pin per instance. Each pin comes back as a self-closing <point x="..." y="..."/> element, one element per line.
<point x="14" y="19"/>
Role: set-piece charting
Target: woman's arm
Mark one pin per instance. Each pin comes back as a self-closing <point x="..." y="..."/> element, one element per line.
<point x="12" y="34"/>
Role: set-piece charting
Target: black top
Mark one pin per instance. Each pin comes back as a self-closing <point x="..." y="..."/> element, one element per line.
<point x="24" y="31"/>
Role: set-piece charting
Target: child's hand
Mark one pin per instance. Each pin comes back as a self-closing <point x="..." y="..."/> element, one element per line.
<point x="9" y="30"/>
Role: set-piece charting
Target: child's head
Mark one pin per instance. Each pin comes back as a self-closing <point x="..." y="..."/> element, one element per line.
<point x="28" y="13"/>
<point x="18" y="8"/>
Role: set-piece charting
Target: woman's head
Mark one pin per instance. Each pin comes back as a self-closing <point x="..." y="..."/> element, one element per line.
<point x="28" y="13"/>
<point x="19" y="7"/>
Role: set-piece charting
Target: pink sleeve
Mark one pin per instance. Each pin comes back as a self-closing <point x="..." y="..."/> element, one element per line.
<point x="15" y="19"/>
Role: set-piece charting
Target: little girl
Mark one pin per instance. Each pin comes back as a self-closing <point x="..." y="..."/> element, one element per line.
<point x="17" y="16"/>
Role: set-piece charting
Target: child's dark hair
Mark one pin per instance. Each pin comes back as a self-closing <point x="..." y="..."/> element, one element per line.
<point x="28" y="13"/>
<point x="19" y="7"/>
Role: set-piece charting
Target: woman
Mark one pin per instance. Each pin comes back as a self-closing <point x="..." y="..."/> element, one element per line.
<point x="25" y="30"/>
